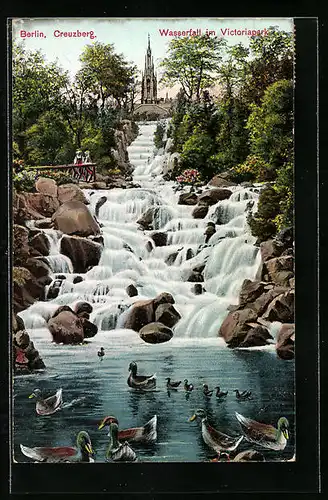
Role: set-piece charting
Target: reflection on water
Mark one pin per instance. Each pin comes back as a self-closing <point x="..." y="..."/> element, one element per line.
<point x="97" y="389"/>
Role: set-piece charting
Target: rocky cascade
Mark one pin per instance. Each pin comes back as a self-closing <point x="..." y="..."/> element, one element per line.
<point x="267" y="299"/>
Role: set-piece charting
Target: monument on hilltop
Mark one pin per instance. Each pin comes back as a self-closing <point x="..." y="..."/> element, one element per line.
<point x="149" y="80"/>
<point x="150" y="105"/>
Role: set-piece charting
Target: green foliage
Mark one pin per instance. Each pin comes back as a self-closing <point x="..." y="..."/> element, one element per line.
<point x="262" y="223"/>
<point x="284" y="186"/>
<point x="192" y="62"/>
<point x="159" y="134"/>
<point x="24" y="180"/>
<point x="196" y="152"/>
<point x="253" y="169"/>
<point x="49" y="141"/>
<point x="271" y="124"/>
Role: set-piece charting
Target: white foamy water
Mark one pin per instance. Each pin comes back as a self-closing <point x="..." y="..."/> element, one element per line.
<point x="130" y="256"/>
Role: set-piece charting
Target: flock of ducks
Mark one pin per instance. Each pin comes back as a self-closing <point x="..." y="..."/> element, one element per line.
<point x="120" y="446"/>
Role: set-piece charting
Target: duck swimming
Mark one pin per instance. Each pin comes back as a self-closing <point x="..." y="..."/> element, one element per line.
<point x="101" y="353"/>
<point x="117" y="451"/>
<point x="220" y="394"/>
<point x="141" y="382"/>
<point x="263" y="434"/>
<point x="206" y="391"/>
<point x="145" y="434"/>
<point x="49" y="405"/>
<point x="172" y="385"/>
<point x="242" y="395"/>
<point x="82" y="453"/>
<point x="188" y="387"/>
<point x="218" y="441"/>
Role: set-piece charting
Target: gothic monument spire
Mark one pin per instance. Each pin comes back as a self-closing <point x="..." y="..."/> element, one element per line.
<point x="149" y="80"/>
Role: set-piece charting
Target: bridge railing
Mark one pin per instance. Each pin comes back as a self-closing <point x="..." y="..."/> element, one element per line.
<point x="85" y="172"/>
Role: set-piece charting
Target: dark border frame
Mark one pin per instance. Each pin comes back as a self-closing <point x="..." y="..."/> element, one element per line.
<point x="302" y="476"/>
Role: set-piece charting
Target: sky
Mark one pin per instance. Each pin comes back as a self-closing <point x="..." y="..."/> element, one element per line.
<point x="129" y="36"/>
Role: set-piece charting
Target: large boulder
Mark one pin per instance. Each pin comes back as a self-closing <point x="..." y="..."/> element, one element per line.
<point x="285" y="341"/>
<point x="200" y="211"/>
<point x="47" y="186"/>
<point x="187" y="199"/>
<point x="220" y="181"/>
<point x="71" y="192"/>
<point x="167" y="314"/>
<point x="155" y="333"/>
<point x="281" y="308"/>
<point x="258" y="335"/>
<point x="235" y="326"/>
<point x="212" y="196"/>
<point x="159" y="238"/>
<point x="140" y="314"/>
<point x="25" y="357"/>
<point x="39" y="269"/>
<point x="261" y="303"/>
<point x="250" y="291"/>
<point x="67" y="328"/>
<point x="82" y="252"/>
<point x="20" y="244"/>
<point x="40" y="243"/>
<point x="89" y="329"/>
<point x="38" y="205"/>
<point x="279" y="270"/>
<point x="74" y="218"/>
<point x="270" y="249"/>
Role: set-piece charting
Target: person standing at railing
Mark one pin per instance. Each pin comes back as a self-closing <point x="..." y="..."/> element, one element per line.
<point x="78" y="160"/>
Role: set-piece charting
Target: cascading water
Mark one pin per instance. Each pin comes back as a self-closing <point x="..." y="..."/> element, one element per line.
<point x="130" y="256"/>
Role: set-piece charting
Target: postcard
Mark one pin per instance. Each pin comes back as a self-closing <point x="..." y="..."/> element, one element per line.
<point x="153" y="235"/>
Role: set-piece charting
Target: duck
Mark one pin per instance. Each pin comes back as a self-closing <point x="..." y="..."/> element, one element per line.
<point x="101" y="353"/>
<point x="220" y="394"/>
<point x="141" y="382"/>
<point x="117" y="451"/>
<point x="172" y="385"/>
<point x="206" y="391"/>
<point x="264" y="434"/>
<point x="82" y="453"/>
<point x="49" y="405"/>
<point x="188" y="387"/>
<point x="242" y="395"/>
<point x="144" y="434"/>
<point x="218" y="441"/>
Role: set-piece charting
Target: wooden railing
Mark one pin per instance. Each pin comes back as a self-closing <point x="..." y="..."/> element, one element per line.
<point x="85" y="172"/>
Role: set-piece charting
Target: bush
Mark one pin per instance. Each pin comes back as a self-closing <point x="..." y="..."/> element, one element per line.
<point x="262" y="223"/>
<point x="24" y="180"/>
<point x="284" y="186"/>
<point x="253" y="169"/>
<point x="20" y="276"/>
<point x="196" y="152"/>
<point x="159" y="134"/>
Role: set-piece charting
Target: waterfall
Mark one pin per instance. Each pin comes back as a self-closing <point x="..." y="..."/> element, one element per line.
<point x="130" y="256"/>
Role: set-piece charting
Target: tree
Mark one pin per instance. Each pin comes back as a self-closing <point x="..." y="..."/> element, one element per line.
<point x="233" y="70"/>
<point x="37" y="87"/>
<point x="271" y="59"/>
<point x="110" y="77"/>
<point x="193" y="62"/>
<point x="271" y="125"/>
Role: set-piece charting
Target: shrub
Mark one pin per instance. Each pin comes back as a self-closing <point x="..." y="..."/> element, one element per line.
<point x="24" y="180"/>
<point x="20" y="276"/>
<point x="190" y="177"/>
<point x="196" y="153"/>
<point x="262" y="223"/>
<point x="159" y="134"/>
<point x="253" y="169"/>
